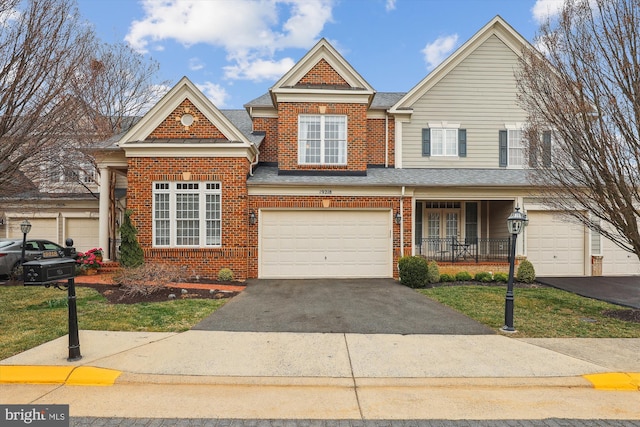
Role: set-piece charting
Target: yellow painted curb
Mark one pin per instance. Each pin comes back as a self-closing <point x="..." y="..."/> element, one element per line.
<point x="34" y="374"/>
<point x="87" y="375"/>
<point x="621" y="381"/>
<point x="69" y="375"/>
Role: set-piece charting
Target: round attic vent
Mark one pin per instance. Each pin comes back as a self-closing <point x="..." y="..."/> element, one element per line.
<point x="186" y="120"/>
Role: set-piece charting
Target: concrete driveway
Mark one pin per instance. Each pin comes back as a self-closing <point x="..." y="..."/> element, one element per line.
<point x="621" y="290"/>
<point x="359" y="306"/>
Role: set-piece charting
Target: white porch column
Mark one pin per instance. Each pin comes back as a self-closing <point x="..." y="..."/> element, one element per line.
<point x="105" y="191"/>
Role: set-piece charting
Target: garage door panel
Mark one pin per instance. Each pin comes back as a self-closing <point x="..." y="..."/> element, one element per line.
<point x="554" y="245"/>
<point x="41" y="228"/>
<point x="617" y="261"/>
<point x="325" y="244"/>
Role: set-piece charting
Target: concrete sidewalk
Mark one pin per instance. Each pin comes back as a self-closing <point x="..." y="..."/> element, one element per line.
<point x="336" y="376"/>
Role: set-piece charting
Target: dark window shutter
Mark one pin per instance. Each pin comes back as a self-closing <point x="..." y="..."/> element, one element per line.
<point x="503" y="153"/>
<point x="534" y="149"/>
<point x="426" y="142"/>
<point x="546" y="149"/>
<point x="462" y="142"/>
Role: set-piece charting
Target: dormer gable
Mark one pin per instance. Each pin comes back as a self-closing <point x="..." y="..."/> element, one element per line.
<point x="184" y="113"/>
<point x="497" y="27"/>
<point x="322" y="75"/>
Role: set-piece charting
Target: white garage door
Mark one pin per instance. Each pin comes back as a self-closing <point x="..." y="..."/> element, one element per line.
<point x="41" y="228"/>
<point x="325" y="243"/>
<point x="618" y="262"/>
<point x="83" y="231"/>
<point x="554" y="245"/>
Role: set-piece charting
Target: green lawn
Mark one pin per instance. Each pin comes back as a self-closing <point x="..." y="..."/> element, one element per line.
<point x="30" y="316"/>
<point x="538" y="312"/>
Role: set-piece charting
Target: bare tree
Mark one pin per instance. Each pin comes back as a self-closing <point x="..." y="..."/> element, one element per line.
<point x="41" y="47"/>
<point x="581" y="91"/>
<point x="63" y="92"/>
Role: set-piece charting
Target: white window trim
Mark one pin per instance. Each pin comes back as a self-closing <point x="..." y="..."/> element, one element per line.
<point x="444" y="126"/>
<point x="513" y="127"/>
<point x="173" y="191"/>
<point x="323" y="161"/>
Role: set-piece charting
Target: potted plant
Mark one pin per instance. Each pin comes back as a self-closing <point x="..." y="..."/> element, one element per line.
<point x="89" y="262"/>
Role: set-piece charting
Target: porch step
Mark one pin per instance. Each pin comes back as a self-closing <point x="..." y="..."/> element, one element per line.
<point x="109" y="267"/>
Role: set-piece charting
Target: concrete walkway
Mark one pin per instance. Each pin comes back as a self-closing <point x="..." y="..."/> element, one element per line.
<point x="329" y="376"/>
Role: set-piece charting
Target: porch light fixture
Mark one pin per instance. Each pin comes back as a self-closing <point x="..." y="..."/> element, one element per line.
<point x="252" y="217"/>
<point x="515" y="224"/>
<point x="25" y="227"/>
<point x="398" y="217"/>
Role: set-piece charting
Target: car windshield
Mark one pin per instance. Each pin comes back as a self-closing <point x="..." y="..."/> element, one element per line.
<point x="50" y="246"/>
<point x="5" y="243"/>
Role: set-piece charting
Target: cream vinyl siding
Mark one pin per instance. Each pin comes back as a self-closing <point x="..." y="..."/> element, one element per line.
<point x="480" y="95"/>
<point x="325" y="243"/>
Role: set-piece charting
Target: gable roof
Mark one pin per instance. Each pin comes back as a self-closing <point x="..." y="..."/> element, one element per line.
<point x="184" y="89"/>
<point x="323" y="50"/>
<point x="496" y="27"/>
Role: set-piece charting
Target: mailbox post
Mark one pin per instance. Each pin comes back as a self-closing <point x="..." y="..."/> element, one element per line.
<point x="47" y="272"/>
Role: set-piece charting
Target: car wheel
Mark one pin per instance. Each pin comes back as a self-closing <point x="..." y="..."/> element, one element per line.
<point x="16" y="271"/>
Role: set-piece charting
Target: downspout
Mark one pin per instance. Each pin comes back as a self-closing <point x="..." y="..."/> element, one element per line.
<point x="252" y="164"/>
<point x="402" y="223"/>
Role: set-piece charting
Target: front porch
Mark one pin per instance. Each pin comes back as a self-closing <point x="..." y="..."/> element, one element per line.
<point x="454" y="250"/>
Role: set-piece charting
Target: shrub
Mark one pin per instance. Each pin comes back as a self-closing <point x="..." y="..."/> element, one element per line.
<point x="463" y="276"/>
<point x="446" y="278"/>
<point x="147" y="278"/>
<point x="501" y="277"/>
<point x="413" y="271"/>
<point x="131" y="254"/>
<point x="483" y="276"/>
<point x="433" y="272"/>
<point x="526" y="272"/>
<point x="225" y="275"/>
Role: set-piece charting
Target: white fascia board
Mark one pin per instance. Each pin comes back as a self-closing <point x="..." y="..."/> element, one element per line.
<point x="376" y="114"/>
<point x="115" y="159"/>
<point x="320" y="190"/>
<point x="497" y="26"/>
<point x="185" y="89"/>
<point x="263" y="113"/>
<point x="319" y="95"/>
<point x="192" y="150"/>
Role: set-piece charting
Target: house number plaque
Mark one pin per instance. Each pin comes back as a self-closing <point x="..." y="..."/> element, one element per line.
<point x="325" y="191"/>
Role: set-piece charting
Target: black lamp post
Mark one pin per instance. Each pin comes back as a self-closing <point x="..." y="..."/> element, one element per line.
<point x="25" y="227"/>
<point x="515" y="223"/>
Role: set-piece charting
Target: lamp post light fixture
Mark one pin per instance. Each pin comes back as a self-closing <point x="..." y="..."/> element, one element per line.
<point x="25" y="227"/>
<point x="252" y="217"/>
<point x="515" y="224"/>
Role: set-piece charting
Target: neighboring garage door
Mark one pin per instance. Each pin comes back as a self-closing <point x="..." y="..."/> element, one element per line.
<point x="554" y="245"/>
<point x="325" y="243"/>
<point x="41" y="228"/>
<point x="618" y="262"/>
<point x="83" y="231"/>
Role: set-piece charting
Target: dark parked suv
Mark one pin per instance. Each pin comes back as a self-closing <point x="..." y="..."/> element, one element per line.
<point x="11" y="253"/>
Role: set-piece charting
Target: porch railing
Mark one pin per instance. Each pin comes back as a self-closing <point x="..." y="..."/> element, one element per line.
<point x="451" y="249"/>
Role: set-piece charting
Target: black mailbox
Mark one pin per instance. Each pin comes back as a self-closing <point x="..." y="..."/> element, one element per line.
<point x="45" y="271"/>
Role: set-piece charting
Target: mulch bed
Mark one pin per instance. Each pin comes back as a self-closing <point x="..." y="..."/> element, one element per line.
<point x="117" y="295"/>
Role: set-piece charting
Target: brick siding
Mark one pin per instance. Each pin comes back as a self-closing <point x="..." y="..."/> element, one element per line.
<point x="322" y="74"/>
<point x="172" y="128"/>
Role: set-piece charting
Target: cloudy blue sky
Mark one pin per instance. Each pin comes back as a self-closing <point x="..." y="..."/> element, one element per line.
<point x="234" y="50"/>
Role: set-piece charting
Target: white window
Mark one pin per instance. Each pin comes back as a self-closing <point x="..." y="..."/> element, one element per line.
<point x="444" y="142"/>
<point x="322" y="139"/>
<point x="514" y="142"/>
<point x="187" y="214"/>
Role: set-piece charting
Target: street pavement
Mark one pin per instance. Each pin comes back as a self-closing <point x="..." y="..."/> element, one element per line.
<point x="252" y="378"/>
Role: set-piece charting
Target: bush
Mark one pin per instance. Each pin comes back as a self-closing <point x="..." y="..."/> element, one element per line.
<point x="131" y="254"/>
<point x="225" y="275"/>
<point x="501" y="277"/>
<point x="445" y="278"/>
<point x="413" y="271"/>
<point x="463" y="276"/>
<point x="483" y="276"/>
<point x="147" y="278"/>
<point x="526" y="272"/>
<point x="433" y="272"/>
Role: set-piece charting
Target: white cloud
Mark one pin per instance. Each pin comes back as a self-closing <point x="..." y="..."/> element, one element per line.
<point x="195" y="64"/>
<point x="248" y="30"/>
<point x="391" y="5"/>
<point x="544" y="9"/>
<point x="258" y="69"/>
<point x="436" y="52"/>
<point x="216" y="93"/>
